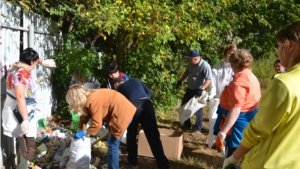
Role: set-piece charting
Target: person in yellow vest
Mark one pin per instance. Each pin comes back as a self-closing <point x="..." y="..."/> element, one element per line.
<point x="271" y="139"/>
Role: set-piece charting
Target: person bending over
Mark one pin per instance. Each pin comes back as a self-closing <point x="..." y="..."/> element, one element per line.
<point x="139" y="95"/>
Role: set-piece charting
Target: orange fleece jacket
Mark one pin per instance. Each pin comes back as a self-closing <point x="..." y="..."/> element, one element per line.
<point x="109" y="106"/>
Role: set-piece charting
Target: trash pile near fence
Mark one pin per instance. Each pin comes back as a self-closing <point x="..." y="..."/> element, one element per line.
<point x="57" y="149"/>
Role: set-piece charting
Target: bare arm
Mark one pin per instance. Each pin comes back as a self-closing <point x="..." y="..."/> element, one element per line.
<point x="206" y="84"/>
<point x="40" y="61"/>
<point x="184" y="76"/>
<point x="231" y="118"/>
<point x="20" y="98"/>
<point x="240" y="151"/>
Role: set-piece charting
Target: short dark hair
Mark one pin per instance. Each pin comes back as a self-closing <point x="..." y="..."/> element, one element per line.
<point x="276" y="61"/>
<point x="28" y="55"/>
<point x="112" y="68"/>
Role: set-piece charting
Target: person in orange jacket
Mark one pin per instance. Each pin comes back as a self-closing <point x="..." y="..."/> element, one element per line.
<point x="100" y="105"/>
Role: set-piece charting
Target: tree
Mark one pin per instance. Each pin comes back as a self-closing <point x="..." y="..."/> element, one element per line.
<point x="148" y="38"/>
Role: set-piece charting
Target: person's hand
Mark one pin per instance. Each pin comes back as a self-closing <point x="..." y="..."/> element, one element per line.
<point x="49" y="63"/>
<point x="80" y="134"/>
<point x="219" y="142"/>
<point x="199" y="93"/>
<point x="178" y="84"/>
<point x="24" y="126"/>
<point x="230" y="161"/>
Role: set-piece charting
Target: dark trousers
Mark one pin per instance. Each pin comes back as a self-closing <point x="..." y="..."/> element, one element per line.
<point x="145" y="115"/>
<point x="199" y="114"/>
<point x="228" y="148"/>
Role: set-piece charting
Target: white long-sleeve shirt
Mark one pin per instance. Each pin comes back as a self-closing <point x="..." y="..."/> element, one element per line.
<point x="221" y="76"/>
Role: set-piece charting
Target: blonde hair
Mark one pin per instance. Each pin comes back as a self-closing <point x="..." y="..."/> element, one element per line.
<point x="229" y="47"/>
<point x="241" y="58"/>
<point x="77" y="97"/>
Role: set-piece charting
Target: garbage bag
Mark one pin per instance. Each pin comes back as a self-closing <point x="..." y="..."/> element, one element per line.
<point x="212" y="120"/>
<point x="191" y="107"/>
<point x="80" y="157"/>
<point x="123" y="138"/>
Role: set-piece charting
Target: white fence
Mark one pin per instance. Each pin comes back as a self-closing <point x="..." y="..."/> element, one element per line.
<point x="19" y="31"/>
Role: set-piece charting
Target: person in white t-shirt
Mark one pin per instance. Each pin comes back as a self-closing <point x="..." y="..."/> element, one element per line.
<point x="19" y="115"/>
<point x="222" y="73"/>
<point x="221" y="76"/>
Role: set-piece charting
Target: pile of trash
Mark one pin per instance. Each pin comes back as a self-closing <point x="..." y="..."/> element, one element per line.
<point x="54" y="143"/>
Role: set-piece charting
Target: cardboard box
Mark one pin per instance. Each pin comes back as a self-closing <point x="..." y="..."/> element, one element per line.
<point x="172" y="142"/>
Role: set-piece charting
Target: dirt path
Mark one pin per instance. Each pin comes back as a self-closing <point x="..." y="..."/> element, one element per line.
<point x="195" y="154"/>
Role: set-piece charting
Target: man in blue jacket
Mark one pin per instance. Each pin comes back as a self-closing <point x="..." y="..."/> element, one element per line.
<point x="139" y="95"/>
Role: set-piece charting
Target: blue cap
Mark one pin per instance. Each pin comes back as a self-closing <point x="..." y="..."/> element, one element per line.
<point x="193" y="53"/>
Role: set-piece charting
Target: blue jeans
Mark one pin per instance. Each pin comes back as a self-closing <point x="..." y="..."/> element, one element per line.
<point x="113" y="152"/>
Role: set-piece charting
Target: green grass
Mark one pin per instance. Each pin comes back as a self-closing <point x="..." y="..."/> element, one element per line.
<point x="264" y="71"/>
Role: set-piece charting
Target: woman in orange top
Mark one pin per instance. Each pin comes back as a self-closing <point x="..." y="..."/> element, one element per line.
<point x="238" y="102"/>
<point x="102" y="105"/>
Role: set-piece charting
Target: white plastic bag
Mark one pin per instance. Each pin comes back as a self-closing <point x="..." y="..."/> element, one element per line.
<point x="80" y="157"/>
<point x="212" y="120"/>
<point x="123" y="138"/>
<point x="191" y="107"/>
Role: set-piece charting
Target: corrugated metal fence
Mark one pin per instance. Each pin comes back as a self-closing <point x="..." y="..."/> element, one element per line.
<point x="19" y="31"/>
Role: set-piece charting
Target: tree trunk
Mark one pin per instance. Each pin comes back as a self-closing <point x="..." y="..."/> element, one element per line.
<point x="109" y="49"/>
<point x="121" y="49"/>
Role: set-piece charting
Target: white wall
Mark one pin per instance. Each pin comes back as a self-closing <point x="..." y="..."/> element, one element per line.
<point x="46" y="41"/>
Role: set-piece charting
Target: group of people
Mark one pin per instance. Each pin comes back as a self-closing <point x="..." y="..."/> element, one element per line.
<point x="270" y="138"/>
<point x="120" y="109"/>
<point x="257" y="132"/>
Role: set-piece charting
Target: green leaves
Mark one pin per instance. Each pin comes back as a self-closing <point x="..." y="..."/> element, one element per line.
<point x="149" y="37"/>
<point x="73" y="56"/>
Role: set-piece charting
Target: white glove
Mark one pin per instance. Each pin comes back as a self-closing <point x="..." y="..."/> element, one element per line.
<point x="49" y="63"/>
<point x="221" y="135"/>
<point x="24" y="126"/>
<point x="230" y="160"/>
<point x="211" y="96"/>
